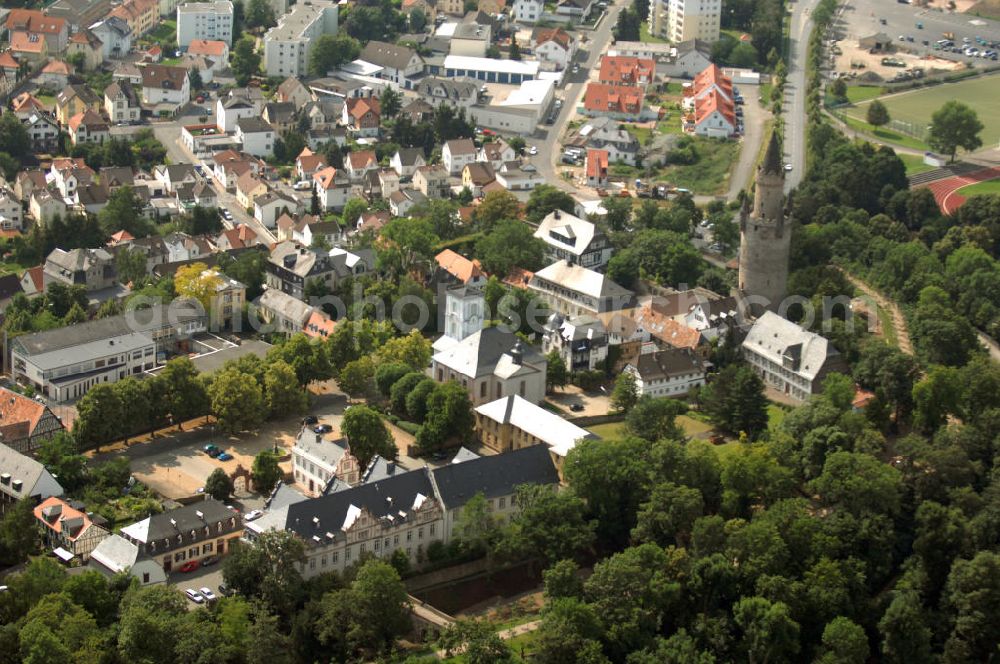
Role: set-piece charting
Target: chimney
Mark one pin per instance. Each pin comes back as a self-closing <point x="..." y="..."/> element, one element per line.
<point x="200" y="515"/>
<point x="5" y="478"/>
<point x="517" y="353"/>
<point x="16" y="485"/>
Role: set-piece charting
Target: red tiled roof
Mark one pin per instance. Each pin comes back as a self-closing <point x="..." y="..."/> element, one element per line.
<point x="26" y="102"/>
<point x="37" y="276"/>
<point x="319" y="325"/>
<point x="604" y="98"/>
<point x="557" y="35"/>
<point x="32" y="20"/>
<point x="17" y="409"/>
<point x="709" y="77"/>
<point x="56" y="523"/>
<point x="311" y="162"/>
<point x="624" y="70"/>
<point x="25" y="42"/>
<point x="458" y="265"/>
<point x="7" y="60"/>
<point x="362" y="159"/>
<point x="207" y="47"/>
<point x="356" y="108"/>
<point x="373" y="221"/>
<point x="666" y="329"/>
<point x="597" y="164"/>
<point x="326" y="177"/>
<point x="87" y="118"/>
<point x="518" y="277"/>
<point x="708" y="104"/>
<point x="121" y="236"/>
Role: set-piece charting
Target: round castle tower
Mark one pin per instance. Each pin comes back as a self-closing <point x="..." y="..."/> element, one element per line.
<point x="764" y="237"/>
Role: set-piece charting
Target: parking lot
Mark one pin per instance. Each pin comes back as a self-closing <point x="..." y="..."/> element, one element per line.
<point x="176" y="465"/>
<point x="914" y="31"/>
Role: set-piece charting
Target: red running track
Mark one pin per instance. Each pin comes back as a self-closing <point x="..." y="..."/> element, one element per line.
<point x="946" y="191"/>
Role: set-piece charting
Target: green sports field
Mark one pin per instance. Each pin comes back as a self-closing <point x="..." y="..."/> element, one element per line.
<point x="982" y="94"/>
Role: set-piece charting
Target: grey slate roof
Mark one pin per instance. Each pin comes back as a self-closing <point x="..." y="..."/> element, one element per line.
<point x="387" y="55"/>
<point x="670" y="362"/>
<point x="253" y="125"/>
<point x="394" y="497"/>
<point x="34" y="478"/>
<point x="479" y="353"/>
<point x="181" y="520"/>
<point x="494" y="476"/>
<point x="144" y="320"/>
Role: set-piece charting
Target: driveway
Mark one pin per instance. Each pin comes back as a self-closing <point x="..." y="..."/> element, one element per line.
<point x="755" y="117"/>
<point x="203" y="577"/>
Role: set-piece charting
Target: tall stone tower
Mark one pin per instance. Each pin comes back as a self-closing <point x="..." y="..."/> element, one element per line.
<point x="765" y="238"/>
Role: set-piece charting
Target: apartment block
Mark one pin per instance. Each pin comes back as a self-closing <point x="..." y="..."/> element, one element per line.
<point x="205" y="20"/>
<point x="682" y="20"/>
<point x="287" y="45"/>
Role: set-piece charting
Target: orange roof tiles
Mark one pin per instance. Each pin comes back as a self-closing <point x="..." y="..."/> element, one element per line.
<point x="713" y="101"/>
<point x="624" y="70"/>
<point x="710" y="76"/>
<point x="604" y="98"/>
<point x="7" y="60"/>
<point x="459" y="266"/>
<point x="597" y="164"/>
<point x="67" y="515"/>
<point x="32" y="20"/>
<point x="26" y="102"/>
<point x="19" y="409"/>
<point x="518" y="277"/>
<point x="310" y="163"/>
<point x="121" y="236"/>
<point x="666" y="329"/>
<point x="207" y="47"/>
<point x="25" y="42"/>
<point x="356" y="108"/>
<point x="362" y="159"/>
<point x="87" y="118"/>
<point x="319" y="325"/>
<point x="37" y="276"/>
<point x="326" y="177"/>
<point x="557" y="35"/>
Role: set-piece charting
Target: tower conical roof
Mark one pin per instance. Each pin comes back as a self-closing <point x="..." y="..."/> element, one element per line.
<point x="772" y="159"/>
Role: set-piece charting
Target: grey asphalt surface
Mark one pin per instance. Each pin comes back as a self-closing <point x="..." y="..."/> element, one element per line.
<point x="862" y="18"/>
<point x="587" y="57"/>
<point x="794" y="104"/>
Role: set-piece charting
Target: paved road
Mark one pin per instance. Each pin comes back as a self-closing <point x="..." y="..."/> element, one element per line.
<point x="169" y="133"/>
<point x="794" y="103"/>
<point x="548" y="147"/>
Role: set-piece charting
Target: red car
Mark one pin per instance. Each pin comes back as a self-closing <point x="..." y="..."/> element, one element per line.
<point x="190" y="566"/>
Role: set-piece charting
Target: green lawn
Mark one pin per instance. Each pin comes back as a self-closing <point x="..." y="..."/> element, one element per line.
<point x="915" y="164"/>
<point x="641" y="134"/>
<point x="981" y="94"/>
<point x="644" y="35"/>
<point x="165" y="31"/>
<point x="859" y="93"/>
<point x="710" y="174"/>
<point x="885" y="135"/>
<point x="990" y="187"/>
<point x="48" y="100"/>
<point x="775" y="415"/>
<point x="888" y="326"/>
<point x="11" y="268"/>
<point x="608" y="430"/>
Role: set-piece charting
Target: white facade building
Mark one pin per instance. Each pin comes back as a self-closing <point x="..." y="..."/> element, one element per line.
<point x="205" y="20"/>
<point x="682" y="20"/>
<point x="528" y="11"/>
<point x="287" y="45"/>
<point x="788" y="358"/>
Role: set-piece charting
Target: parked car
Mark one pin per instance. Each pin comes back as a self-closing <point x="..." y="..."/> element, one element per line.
<point x="208" y="562"/>
<point x="788" y="167"/>
<point x="533" y="150"/>
<point x="322" y="428"/>
<point x="302" y="185"/>
<point x="310" y="419"/>
<point x="576" y="407"/>
<point x="224" y="456"/>
<point x="207" y="594"/>
<point x="190" y="566"/>
<point x="210" y="448"/>
<point x="194" y="596"/>
<point x="253" y="514"/>
<point x="224" y="590"/>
